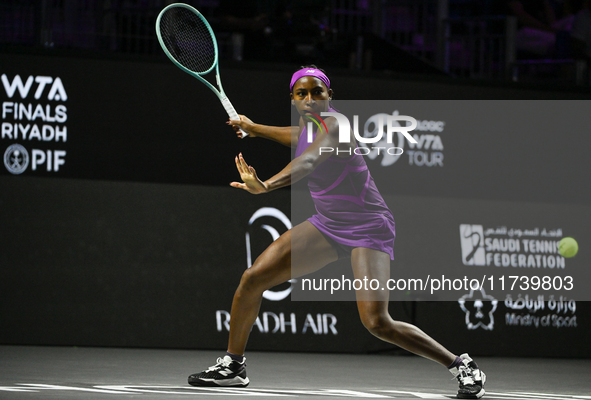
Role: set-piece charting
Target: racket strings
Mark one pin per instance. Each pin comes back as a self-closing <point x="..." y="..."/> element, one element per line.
<point x="188" y="39"/>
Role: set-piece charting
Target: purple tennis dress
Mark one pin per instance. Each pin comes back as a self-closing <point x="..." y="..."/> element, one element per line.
<point x="350" y="209"/>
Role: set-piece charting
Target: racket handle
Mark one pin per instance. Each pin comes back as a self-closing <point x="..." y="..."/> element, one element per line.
<point x="232" y="113"/>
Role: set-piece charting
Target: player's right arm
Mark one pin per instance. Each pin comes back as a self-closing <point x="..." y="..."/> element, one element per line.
<point x="286" y="135"/>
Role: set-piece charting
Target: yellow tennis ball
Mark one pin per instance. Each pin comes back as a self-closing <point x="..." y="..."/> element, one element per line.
<point x="568" y="247"/>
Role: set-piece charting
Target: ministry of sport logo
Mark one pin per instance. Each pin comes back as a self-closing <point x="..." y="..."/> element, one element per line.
<point x="385" y="136"/>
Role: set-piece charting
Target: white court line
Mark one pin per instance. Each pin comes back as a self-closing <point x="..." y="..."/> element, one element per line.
<point x="221" y="391"/>
<point x="418" y="394"/>
<point x="522" y="395"/>
<point x="243" y="391"/>
<point x="16" y="389"/>
<point x="74" y="388"/>
<point x="349" y="393"/>
<point x="550" y="394"/>
<point x="188" y="390"/>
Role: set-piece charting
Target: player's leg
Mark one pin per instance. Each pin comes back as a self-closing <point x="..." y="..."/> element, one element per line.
<point x="373" y="310"/>
<point x="299" y="251"/>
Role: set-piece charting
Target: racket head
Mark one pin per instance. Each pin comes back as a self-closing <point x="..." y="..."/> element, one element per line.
<point x="187" y="38"/>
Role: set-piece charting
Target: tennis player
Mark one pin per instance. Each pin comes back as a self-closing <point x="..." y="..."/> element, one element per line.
<point x="356" y="224"/>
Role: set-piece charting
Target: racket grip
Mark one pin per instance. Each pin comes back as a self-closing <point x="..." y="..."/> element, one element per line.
<point x="232" y="113"/>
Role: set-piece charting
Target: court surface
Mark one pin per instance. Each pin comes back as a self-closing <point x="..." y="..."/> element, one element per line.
<point x="29" y="373"/>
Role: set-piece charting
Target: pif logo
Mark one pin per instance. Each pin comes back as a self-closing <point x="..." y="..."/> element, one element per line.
<point x="472" y="241"/>
<point x="16" y="159"/>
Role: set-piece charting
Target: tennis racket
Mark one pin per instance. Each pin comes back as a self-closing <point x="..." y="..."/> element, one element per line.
<point x="189" y="42"/>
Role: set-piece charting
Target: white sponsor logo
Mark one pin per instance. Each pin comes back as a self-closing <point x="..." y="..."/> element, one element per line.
<point x="281" y="217"/>
<point x="523" y="311"/>
<point x="472" y="240"/>
<point x="518" y="248"/>
<point x="270" y="322"/>
<point x="41" y="120"/>
<point x="56" y="91"/>
<point x="479" y="308"/>
<point x="16" y="159"/>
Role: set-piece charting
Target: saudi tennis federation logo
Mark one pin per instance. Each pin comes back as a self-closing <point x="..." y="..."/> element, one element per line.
<point x="16" y="159"/>
<point x="472" y="240"/>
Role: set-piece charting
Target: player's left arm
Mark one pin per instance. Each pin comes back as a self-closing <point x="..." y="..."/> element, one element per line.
<point x="318" y="152"/>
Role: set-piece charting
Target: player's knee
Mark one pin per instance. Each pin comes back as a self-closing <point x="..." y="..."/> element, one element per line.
<point x="249" y="279"/>
<point x="253" y="281"/>
<point x="377" y="323"/>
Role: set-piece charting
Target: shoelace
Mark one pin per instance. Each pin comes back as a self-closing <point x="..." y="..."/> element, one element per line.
<point x="221" y="362"/>
<point x="464" y="376"/>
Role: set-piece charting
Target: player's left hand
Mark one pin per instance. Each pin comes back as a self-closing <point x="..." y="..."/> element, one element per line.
<point x="252" y="183"/>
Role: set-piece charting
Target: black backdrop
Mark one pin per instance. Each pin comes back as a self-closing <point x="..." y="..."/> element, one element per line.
<point x="136" y="240"/>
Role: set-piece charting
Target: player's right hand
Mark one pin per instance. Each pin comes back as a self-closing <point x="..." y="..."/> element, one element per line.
<point x="252" y="183"/>
<point x="245" y="124"/>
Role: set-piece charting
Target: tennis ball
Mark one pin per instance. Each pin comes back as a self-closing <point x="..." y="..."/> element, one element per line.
<point x="568" y="247"/>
